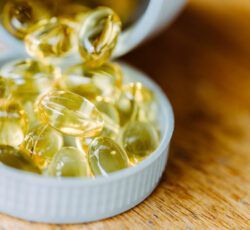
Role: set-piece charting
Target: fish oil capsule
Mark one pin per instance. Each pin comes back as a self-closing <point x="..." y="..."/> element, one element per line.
<point x="106" y="156"/>
<point x="50" y="38"/>
<point x="28" y="78"/>
<point x="13" y="123"/>
<point x="41" y="144"/>
<point x="19" y="15"/>
<point x="4" y="88"/>
<point x="135" y="103"/>
<point x="98" y="36"/>
<point x="70" y="114"/>
<point x="69" y="162"/>
<point x="12" y="157"/>
<point x="104" y="81"/>
<point x="139" y="139"/>
<point x="111" y="125"/>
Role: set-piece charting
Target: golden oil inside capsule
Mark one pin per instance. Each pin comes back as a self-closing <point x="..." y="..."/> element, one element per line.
<point x="111" y="125"/>
<point x="4" y="88"/>
<point x="13" y="123"/>
<point x="98" y="36"/>
<point x="13" y="158"/>
<point x="41" y="144"/>
<point x="104" y="81"/>
<point x="135" y="103"/>
<point x="19" y="15"/>
<point x="70" y="114"/>
<point x="106" y="156"/>
<point x="50" y="38"/>
<point x="28" y="78"/>
<point x="139" y="139"/>
<point x="69" y="162"/>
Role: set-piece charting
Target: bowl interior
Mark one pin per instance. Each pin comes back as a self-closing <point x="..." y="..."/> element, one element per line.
<point x="166" y="124"/>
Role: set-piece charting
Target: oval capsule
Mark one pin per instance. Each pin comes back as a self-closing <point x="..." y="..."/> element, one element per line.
<point x="41" y="144"/>
<point x="139" y="139"/>
<point x="69" y="162"/>
<point x="13" y="123"/>
<point x="19" y="15"/>
<point x="111" y="126"/>
<point x="104" y="81"/>
<point x="106" y="156"/>
<point x="99" y="32"/>
<point x="50" y="38"/>
<point x="27" y="78"/>
<point x="13" y="158"/>
<point x="70" y="114"/>
<point x="135" y="103"/>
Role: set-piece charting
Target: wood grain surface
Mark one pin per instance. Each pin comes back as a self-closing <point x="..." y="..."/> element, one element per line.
<point x="203" y="64"/>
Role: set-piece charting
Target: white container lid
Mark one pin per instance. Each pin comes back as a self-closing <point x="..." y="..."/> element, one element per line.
<point x="157" y="14"/>
<point x="77" y="200"/>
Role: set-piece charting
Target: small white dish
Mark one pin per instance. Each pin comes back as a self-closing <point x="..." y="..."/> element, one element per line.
<point x="73" y="200"/>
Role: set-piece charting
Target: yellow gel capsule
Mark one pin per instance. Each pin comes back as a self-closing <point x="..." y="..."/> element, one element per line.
<point x="4" y="88"/>
<point x="105" y="156"/>
<point x="70" y="114"/>
<point x="69" y="162"/>
<point x="104" y="81"/>
<point x="11" y="157"/>
<point x="28" y="78"/>
<point x="139" y="139"/>
<point x="135" y="102"/>
<point x="98" y="36"/>
<point x="41" y="144"/>
<point x="19" y="15"/>
<point x="13" y="123"/>
<point x="111" y="125"/>
<point x="50" y="38"/>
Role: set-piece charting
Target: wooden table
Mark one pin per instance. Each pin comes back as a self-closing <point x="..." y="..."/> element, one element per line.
<point x="203" y="64"/>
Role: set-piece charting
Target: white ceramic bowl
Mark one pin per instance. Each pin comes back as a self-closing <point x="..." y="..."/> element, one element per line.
<point x="68" y="200"/>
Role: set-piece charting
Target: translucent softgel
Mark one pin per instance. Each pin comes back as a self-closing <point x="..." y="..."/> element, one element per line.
<point x="104" y="81"/>
<point x="69" y="162"/>
<point x="13" y="123"/>
<point x="41" y="144"/>
<point x="98" y="36"/>
<point x="106" y="156"/>
<point x="70" y="114"/>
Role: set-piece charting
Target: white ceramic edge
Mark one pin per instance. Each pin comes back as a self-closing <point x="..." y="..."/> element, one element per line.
<point x="158" y="13"/>
<point x="73" y="200"/>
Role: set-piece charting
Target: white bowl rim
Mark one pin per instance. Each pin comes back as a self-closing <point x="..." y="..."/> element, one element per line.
<point x="165" y="140"/>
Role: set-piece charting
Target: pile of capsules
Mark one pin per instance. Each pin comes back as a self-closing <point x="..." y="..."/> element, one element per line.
<point x="79" y="120"/>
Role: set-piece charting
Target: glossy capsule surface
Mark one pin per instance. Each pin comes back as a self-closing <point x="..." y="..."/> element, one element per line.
<point x="106" y="156"/>
<point x="50" y="38"/>
<point x="27" y="78"/>
<point x="19" y="15"/>
<point x="70" y="114"/>
<point x="104" y="81"/>
<point x="98" y="35"/>
<point x="13" y="123"/>
<point x="139" y="139"/>
<point x="111" y="126"/>
<point x="134" y="103"/>
<point x="69" y="162"/>
<point x="41" y="144"/>
<point x="13" y="158"/>
<point x="4" y="88"/>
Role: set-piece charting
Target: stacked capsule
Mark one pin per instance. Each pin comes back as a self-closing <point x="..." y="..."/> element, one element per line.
<point x="75" y="121"/>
